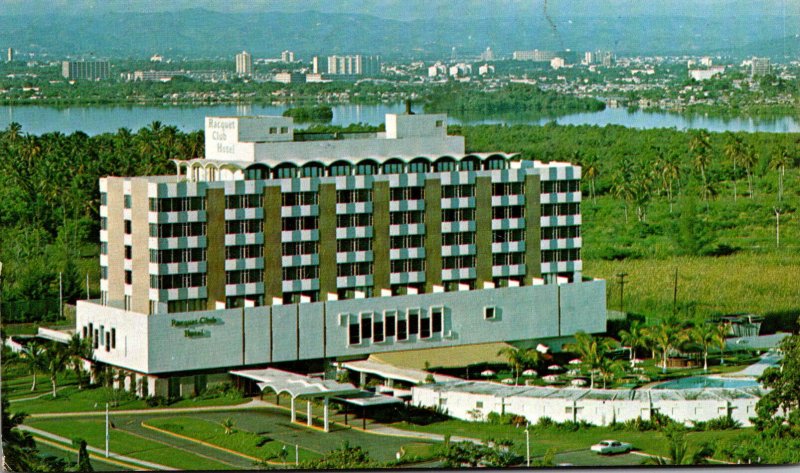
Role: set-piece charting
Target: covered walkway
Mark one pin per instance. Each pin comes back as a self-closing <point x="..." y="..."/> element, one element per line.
<point x="298" y="386"/>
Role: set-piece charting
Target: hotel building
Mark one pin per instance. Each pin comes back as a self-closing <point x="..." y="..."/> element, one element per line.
<point x="283" y="247"/>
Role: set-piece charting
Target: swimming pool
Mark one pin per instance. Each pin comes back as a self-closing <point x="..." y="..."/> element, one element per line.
<point x="695" y="382"/>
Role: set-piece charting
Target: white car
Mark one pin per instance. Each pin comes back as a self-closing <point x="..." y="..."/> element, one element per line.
<point x="611" y="446"/>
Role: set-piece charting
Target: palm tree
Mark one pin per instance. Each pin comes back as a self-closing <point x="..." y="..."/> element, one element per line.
<point x="749" y="160"/>
<point x="679" y="451"/>
<point x="79" y="349"/>
<point x="591" y="171"/>
<point x="228" y="425"/>
<point x="516" y="359"/>
<point x="722" y="334"/>
<point x="705" y="335"/>
<point x="733" y="151"/>
<point x="635" y="337"/>
<point x="19" y="449"/>
<point x="779" y="163"/>
<point x="670" y="172"/>
<point x="609" y="368"/>
<point x="55" y="362"/>
<point x="33" y="356"/>
<point x="667" y="336"/>
<point x="591" y="351"/>
<point x="700" y="146"/>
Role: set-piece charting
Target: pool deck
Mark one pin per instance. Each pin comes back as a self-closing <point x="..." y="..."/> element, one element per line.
<point x="755" y="370"/>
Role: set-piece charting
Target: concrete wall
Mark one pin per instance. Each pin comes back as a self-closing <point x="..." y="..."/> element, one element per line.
<point x="317" y="330"/>
<point x="578" y="405"/>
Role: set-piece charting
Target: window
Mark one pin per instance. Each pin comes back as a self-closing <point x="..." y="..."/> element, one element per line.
<point x="377" y="331"/>
<point x="401" y="218"/>
<point x="436" y="320"/>
<point x="550" y="210"/>
<point x="407" y="193"/>
<point x="347" y="245"/>
<point x="553" y="256"/>
<point x="353" y="220"/>
<point x="284" y="130"/>
<point x="425" y="328"/>
<point x="242" y="201"/>
<point x="103" y="198"/>
<point x="126" y="201"/>
<point x="407" y="265"/>
<point x="516" y="211"/>
<point x="128" y="227"/>
<point x="366" y="169"/>
<point x="507" y="188"/>
<point x="488" y="313"/>
<point x="554" y="233"/>
<point x="178" y="204"/>
<point x="465" y="238"/>
<point x="300" y="248"/>
<point x="128" y="252"/>
<point x="409" y="241"/>
<point x="353" y="195"/>
<point x="393" y="168"/>
<point x="294" y="273"/>
<point x="571" y="185"/>
<point x="103" y="248"/>
<point x="108" y="341"/>
<point x="508" y="259"/>
<point x="339" y="170"/>
<point x="353" y="269"/>
<point x="503" y="236"/>
<point x="312" y="171"/>
<point x="283" y="172"/>
<point x="273" y="130"/>
<point x="103" y="272"/>
<point x="299" y="198"/>
<point x="83" y="332"/>
<point x="366" y="327"/>
<point x="439" y="123"/>
<point x="461" y="190"/>
<point x="413" y="321"/>
<point x="103" y="223"/>
<point x="244" y="276"/>
<point x="390" y="319"/>
<point x="444" y="165"/>
<point x="457" y="215"/>
<point x="354" y="334"/>
<point x="128" y="277"/>
<point x="297" y="223"/>
<point x="402" y="330"/>
<point x="458" y="262"/>
<point x="419" y="166"/>
<point x="244" y="252"/>
<point x="478" y="404"/>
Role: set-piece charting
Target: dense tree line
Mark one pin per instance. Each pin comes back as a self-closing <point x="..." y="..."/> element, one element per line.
<point x="464" y="98"/>
<point x="322" y="114"/>
<point x="49" y="200"/>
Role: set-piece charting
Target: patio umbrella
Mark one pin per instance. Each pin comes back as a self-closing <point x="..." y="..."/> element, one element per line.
<point x="554" y="368"/>
<point x="487" y="373"/>
<point x="508" y="381"/>
<point x="575" y="361"/>
<point x="550" y="378"/>
<point x="578" y="382"/>
<point x="529" y="372"/>
<point x="542" y="348"/>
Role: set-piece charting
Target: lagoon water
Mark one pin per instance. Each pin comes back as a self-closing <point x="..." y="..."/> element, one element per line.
<point x="38" y="119"/>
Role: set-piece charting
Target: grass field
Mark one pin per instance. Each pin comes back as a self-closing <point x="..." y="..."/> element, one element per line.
<point x="242" y="441"/>
<point x="70" y="454"/>
<point x="124" y="443"/>
<point x="543" y="439"/>
<point x="747" y="282"/>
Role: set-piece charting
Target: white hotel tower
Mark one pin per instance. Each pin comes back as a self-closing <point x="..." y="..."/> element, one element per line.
<point x="280" y="247"/>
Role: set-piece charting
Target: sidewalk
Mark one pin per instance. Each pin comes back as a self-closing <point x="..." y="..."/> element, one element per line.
<point x="255" y="403"/>
<point x="112" y="455"/>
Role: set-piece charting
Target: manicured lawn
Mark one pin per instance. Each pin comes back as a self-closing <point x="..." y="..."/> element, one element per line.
<point x="17" y="382"/>
<point x="93" y="431"/>
<point x="543" y="439"/>
<point x="98" y="464"/>
<point x="73" y="399"/>
<point x="242" y="441"/>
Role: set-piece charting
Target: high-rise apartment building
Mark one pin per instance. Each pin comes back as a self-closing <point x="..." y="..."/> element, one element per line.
<point x="287" y="56"/>
<point x="10" y="55"/>
<point x="354" y="65"/>
<point x="89" y="70"/>
<point x="281" y="247"/>
<point x="759" y="66"/>
<point x="535" y="55"/>
<point x="244" y="64"/>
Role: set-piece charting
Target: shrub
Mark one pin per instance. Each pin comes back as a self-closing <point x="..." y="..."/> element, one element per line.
<point x="156" y="401"/>
<point x="720" y="423"/>
<point x="545" y="422"/>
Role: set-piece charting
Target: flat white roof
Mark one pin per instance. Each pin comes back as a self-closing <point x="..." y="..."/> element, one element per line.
<point x="296" y="385"/>
<point x="385" y="370"/>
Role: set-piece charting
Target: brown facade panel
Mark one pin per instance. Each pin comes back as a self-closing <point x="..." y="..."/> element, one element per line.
<point x="533" y="232"/>
<point x="140" y="253"/>
<point x="483" y="231"/>
<point x="215" y="251"/>
<point x="273" y="265"/>
<point x="116" y="241"/>
<point x="327" y="240"/>
<point x="380" y="237"/>
<point x="433" y="233"/>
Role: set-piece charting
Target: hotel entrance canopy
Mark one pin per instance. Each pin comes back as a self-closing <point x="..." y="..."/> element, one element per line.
<point x="299" y="386"/>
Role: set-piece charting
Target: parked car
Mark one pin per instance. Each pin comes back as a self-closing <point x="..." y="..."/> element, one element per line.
<point x="611" y="446"/>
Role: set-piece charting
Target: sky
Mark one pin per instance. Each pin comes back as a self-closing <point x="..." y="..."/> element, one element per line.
<point x="414" y="9"/>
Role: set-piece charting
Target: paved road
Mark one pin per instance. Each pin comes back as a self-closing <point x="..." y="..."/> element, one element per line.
<point x="58" y="438"/>
<point x="386" y="430"/>
<point x="768" y="360"/>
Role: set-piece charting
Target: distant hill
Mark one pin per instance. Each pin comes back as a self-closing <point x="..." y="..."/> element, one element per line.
<point x="203" y="33"/>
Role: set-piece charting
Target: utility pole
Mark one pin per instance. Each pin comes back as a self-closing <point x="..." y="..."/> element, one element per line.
<point x="778" y="211"/>
<point x="60" y="296"/>
<point x="296" y="454"/>
<point x="106" y="430"/>
<point x="675" y="294"/>
<point x="621" y="277"/>
<point x="87" y="285"/>
<point x="527" y="448"/>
